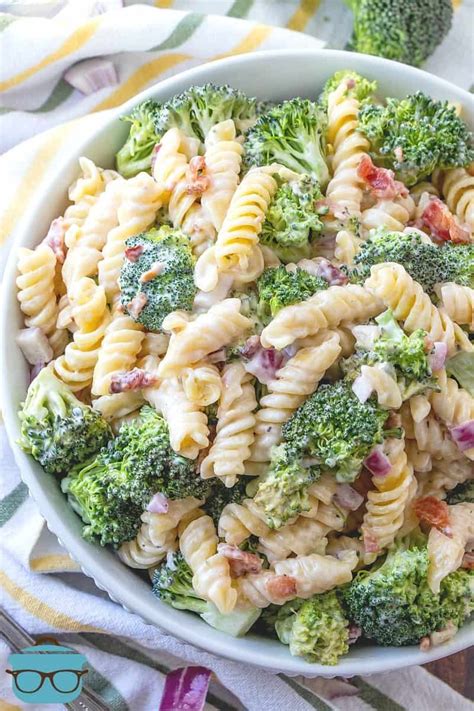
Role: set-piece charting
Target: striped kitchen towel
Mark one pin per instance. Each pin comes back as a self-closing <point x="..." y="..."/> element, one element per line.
<point x="39" y="40"/>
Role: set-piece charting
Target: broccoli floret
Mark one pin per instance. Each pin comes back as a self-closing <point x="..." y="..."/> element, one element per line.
<point x="292" y="134"/>
<point x="282" y="494"/>
<point x="57" y="429"/>
<point x="135" y="154"/>
<point x="108" y="519"/>
<point x="222" y="495"/>
<point x="278" y="287"/>
<point x="292" y="218"/>
<point x="405" y="357"/>
<point x="335" y="430"/>
<point x="394" y="605"/>
<point x="461" y="493"/>
<point x="406" y="31"/>
<point x="167" y="263"/>
<point x="415" y="135"/>
<point x="461" y="367"/>
<point x="315" y="629"/>
<point x="423" y="260"/>
<point x="173" y="584"/>
<point x="357" y="86"/>
<point x="199" y="108"/>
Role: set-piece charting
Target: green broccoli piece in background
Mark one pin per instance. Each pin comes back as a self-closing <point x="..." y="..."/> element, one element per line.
<point x="222" y="495"/>
<point x="282" y="494"/>
<point x="173" y="584"/>
<point x="424" y="261"/>
<point x="108" y="519"/>
<point x="335" y="430"/>
<point x="167" y="251"/>
<point x="357" y="86"/>
<point x="278" y="288"/>
<point x="315" y="629"/>
<point x="404" y="30"/>
<point x="292" y="134"/>
<point x="135" y="155"/>
<point x="57" y="429"/>
<point x="461" y="493"/>
<point x="394" y="605"/>
<point x="461" y="367"/>
<point x="292" y="218"/>
<point x="196" y="110"/>
<point x="415" y="135"/>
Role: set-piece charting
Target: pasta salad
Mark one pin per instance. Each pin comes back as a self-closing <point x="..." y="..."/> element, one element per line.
<point x="252" y="361"/>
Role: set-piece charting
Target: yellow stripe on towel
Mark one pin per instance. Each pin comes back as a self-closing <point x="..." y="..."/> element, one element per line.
<point x="250" y="43"/>
<point x="54" y="563"/>
<point x="302" y="15"/>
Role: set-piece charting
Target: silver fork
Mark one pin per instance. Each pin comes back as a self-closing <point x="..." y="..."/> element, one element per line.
<point x="17" y="638"/>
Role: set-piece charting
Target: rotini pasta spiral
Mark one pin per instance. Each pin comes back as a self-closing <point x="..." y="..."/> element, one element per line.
<point x="457" y="187"/>
<point x="223" y="157"/>
<point x="391" y="214"/>
<point x="91" y="316"/>
<point x="445" y="552"/>
<point x="118" y="352"/>
<point x="409" y="303"/>
<point x="202" y="384"/>
<point x="444" y="476"/>
<point x="235" y="427"/>
<point x="387" y="501"/>
<point x="326" y="309"/>
<point x="383" y="385"/>
<point x="288" y="390"/>
<point x="417" y="191"/>
<point x="338" y="544"/>
<point x="239" y="521"/>
<point x="141" y="199"/>
<point x="264" y="589"/>
<point x="143" y="552"/>
<point x="345" y="189"/>
<point x="207" y="333"/>
<point x="431" y="437"/>
<point x="84" y="192"/>
<point x="187" y="425"/>
<point x="211" y="579"/>
<point x="347" y="246"/>
<point x="198" y="226"/>
<point x="302" y="537"/>
<point x="458" y="302"/>
<point x="453" y="405"/>
<point x="315" y="573"/>
<point x="118" y="405"/>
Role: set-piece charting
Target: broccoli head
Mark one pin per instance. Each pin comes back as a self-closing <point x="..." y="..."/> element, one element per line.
<point x="222" y="495"/>
<point x="426" y="263"/>
<point x="135" y="155"/>
<point x="461" y="493"/>
<point x="157" y="276"/>
<point x="292" y="134"/>
<point x="407" y="32"/>
<point x="108" y="519"/>
<point x="173" y="584"/>
<point x="335" y="430"/>
<point x="282" y="493"/>
<point x="406" y="357"/>
<point x="277" y="287"/>
<point x="315" y="629"/>
<point x="357" y="86"/>
<point x="57" y="429"/>
<point x="199" y="108"/>
<point x="394" y="605"/>
<point x="292" y="218"/>
<point x="415" y="135"/>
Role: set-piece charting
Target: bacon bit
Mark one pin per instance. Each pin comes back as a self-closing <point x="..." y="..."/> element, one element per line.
<point x="350" y="83"/>
<point x="136" y="305"/>
<point x="468" y="561"/>
<point x="55" y="239"/>
<point x="281" y="587"/>
<point x="133" y="253"/>
<point x="354" y="633"/>
<point x="197" y="183"/>
<point x="425" y="644"/>
<point x="332" y="274"/>
<point x="154" y="271"/>
<point x="393" y="421"/>
<point x="371" y="544"/>
<point x="381" y="181"/>
<point x="433" y="512"/>
<point x="154" y="153"/>
<point x="135" y="379"/>
<point x="240" y="562"/>
<point x="438" y="218"/>
<point x="398" y="153"/>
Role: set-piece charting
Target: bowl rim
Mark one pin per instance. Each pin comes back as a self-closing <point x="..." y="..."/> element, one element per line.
<point x="150" y="610"/>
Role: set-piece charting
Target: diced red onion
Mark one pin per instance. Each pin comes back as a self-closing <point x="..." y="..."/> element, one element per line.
<point x="158" y="504"/>
<point x="34" y="345"/>
<point x="265" y="364"/>
<point x="354" y="633"/>
<point x="362" y="388"/>
<point x="55" y="239"/>
<point x="347" y="497"/>
<point x="185" y="689"/>
<point x="377" y="462"/>
<point x="91" y="75"/>
<point x="250" y="347"/>
<point x="438" y="357"/>
<point x="463" y="435"/>
<point x="332" y="274"/>
<point x="36" y="370"/>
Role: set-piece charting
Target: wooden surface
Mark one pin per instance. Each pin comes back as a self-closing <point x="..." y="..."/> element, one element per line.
<point x="457" y="671"/>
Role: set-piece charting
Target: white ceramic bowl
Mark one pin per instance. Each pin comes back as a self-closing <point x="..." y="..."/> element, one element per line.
<point x="268" y="75"/>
